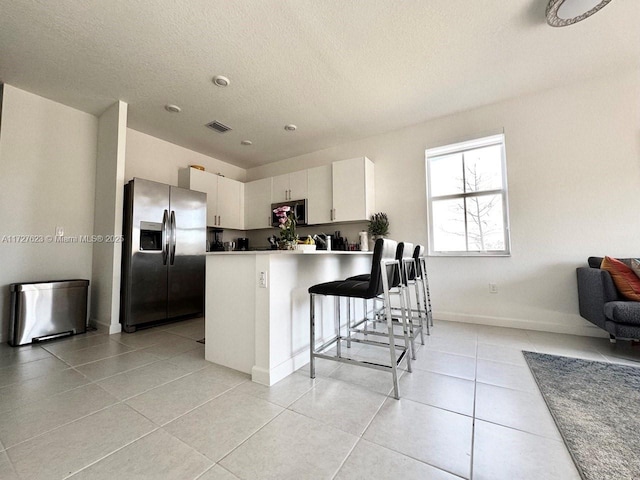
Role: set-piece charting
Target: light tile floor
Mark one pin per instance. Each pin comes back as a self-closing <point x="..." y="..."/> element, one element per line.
<point x="147" y="405"/>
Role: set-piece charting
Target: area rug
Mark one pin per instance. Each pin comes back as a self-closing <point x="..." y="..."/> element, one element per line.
<point x="596" y="407"/>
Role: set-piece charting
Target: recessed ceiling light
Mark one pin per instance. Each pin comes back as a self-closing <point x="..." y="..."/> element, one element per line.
<point x="221" y="81"/>
<point x="290" y="128"/>
<point x="561" y="13"/>
<point x="246" y="142"/>
<point x="172" y="108"/>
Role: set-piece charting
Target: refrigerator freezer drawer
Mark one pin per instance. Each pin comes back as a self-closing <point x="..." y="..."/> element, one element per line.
<point x="43" y="310"/>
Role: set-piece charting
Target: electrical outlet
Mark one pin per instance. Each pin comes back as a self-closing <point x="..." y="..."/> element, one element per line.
<point x="493" y="288"/>
<point x="59" y="231"/>
<point x="262" y="280"/>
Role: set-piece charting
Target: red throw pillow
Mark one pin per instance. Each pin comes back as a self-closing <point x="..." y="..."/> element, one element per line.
<point x="626" y="281"/>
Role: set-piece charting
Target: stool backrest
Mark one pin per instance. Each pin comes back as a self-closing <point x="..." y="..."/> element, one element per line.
<point x="406" y="262"/>
<point x="384" y="249"/>
<point x="418" y="253"/>
<point x="395" y="281"/>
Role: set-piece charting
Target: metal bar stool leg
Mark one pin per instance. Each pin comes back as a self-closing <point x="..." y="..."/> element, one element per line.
<point x="421" y="314"/>
<point x="336" y="320"/>
<point x="312" y="335"/>
<point x="348" y="322"/>
<point x="392" y="345"/>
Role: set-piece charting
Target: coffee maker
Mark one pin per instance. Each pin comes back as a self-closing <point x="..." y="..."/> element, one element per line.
<point x="243" y="244"/>
<point x="214" y="240"/>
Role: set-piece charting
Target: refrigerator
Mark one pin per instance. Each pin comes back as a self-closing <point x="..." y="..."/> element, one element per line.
<point x="163" y="262"/>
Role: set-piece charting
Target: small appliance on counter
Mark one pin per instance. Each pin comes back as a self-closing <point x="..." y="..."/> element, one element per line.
<point x="214" y="240"/>
<point x="243" y="244"/>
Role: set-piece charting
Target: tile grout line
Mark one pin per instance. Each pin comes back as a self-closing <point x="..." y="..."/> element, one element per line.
<point x="111" y="453"/>
<point x="473" y="420"/>
<point x="64" y="424"/>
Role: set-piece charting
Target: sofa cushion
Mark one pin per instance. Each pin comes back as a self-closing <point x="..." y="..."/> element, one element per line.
<point x="623" y="312"/>
<point x="635" y="266"/>
<point x="595" y="262"/>
<point x="627" y="282"/>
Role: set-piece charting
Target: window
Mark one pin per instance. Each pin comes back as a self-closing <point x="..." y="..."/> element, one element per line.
<point x="467" y="196"/>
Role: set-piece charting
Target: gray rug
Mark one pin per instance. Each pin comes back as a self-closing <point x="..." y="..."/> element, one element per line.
<point x="596" y="407"/>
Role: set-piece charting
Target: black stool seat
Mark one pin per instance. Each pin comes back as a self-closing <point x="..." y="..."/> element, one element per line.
<point x="365" y="277"/>
<point x="345" y="288"/>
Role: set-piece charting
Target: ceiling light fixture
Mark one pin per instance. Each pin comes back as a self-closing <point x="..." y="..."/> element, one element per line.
<point x="290" y="128"/>
<point x="562" y="13"/>
<point x="246" y="142"/>
<point x="172" y="108"/>
<point x="221" y="81"/>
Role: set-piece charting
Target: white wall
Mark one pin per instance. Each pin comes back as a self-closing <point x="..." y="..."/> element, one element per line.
<point x="154" y="159"/>
<point x="47" y="179"/>
<point x="573" y="160"/>
<point x="109" y="196"/>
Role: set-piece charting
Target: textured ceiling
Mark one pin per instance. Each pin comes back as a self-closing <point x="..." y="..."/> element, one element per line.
<point x="339" y="70"/>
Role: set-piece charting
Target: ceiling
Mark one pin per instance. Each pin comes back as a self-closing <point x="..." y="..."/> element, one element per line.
<point x="339" y="70"/>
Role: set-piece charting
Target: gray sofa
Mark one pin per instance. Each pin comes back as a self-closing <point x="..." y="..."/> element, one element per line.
<point x="602" y="304"/>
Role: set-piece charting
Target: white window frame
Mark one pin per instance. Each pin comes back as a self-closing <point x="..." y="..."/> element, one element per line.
<point x="462" y="147"/>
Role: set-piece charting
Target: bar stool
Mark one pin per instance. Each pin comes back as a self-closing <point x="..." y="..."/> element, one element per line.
<point x="423" y="280"/>
<point x="405" y="277"/>
<point x="383" y="281"/>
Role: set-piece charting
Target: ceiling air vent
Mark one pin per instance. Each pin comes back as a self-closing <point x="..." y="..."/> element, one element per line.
<point x="218" y="127"/>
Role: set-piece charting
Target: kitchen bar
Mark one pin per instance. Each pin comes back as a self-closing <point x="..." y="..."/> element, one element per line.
<point x="257" y="307"/>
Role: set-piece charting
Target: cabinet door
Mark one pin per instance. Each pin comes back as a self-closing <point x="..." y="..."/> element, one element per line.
<point x="298" y="188"/>
<point x="257" y="204"/>
<point x="320" y="195"/>
<point x="207" y="183"/>
<point x="230" y="204"/>
<point x="349" y="195"/>
<point x="280" y="188"/>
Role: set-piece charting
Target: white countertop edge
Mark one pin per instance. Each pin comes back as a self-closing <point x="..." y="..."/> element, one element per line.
<point x="290" y="252"/>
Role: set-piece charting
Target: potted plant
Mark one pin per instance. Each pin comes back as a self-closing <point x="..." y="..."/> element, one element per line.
<point x="287" y="224"/>
<point x="378" y="225"/>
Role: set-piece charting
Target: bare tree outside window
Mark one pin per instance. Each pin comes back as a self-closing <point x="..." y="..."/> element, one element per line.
<point x="467" y="198"/>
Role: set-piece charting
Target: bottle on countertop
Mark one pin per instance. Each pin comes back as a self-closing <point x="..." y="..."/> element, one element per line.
<point x="364" y="241"/>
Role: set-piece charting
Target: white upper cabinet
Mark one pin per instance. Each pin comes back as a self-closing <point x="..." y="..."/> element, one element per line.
<point x="298" y="185"/>
<point x="290" y="186"/>
<point x="257" y="204"/>
<point x="320" y="195"/>
<point x="230" y="203"/>
<point x="353" y="190"/>
<point x="225" y="197"/>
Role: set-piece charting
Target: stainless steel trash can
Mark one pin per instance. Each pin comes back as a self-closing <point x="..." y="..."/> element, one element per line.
<point x="45" y="310"/>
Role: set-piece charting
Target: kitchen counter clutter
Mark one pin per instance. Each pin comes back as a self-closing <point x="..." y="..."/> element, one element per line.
<point x="290" y="252"/>
<point x="257" y="307"/>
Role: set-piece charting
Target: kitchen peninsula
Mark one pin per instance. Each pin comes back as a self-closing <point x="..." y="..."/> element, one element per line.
<point x="257" y="307"/>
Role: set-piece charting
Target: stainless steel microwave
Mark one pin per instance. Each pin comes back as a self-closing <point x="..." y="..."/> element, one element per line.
<point x="299" y="208"/>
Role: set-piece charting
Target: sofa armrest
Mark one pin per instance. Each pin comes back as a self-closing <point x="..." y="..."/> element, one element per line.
<point x="595" y="288"/>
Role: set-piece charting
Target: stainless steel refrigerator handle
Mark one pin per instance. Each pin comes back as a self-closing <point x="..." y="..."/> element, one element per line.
<point x="165" y="237"/>
<point x="173" y="237"/>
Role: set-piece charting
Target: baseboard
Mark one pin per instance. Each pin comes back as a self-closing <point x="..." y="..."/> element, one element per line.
<point x="103" y="327"/>
<point x="587" y="330"/>
<point x="277" y="373"/>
